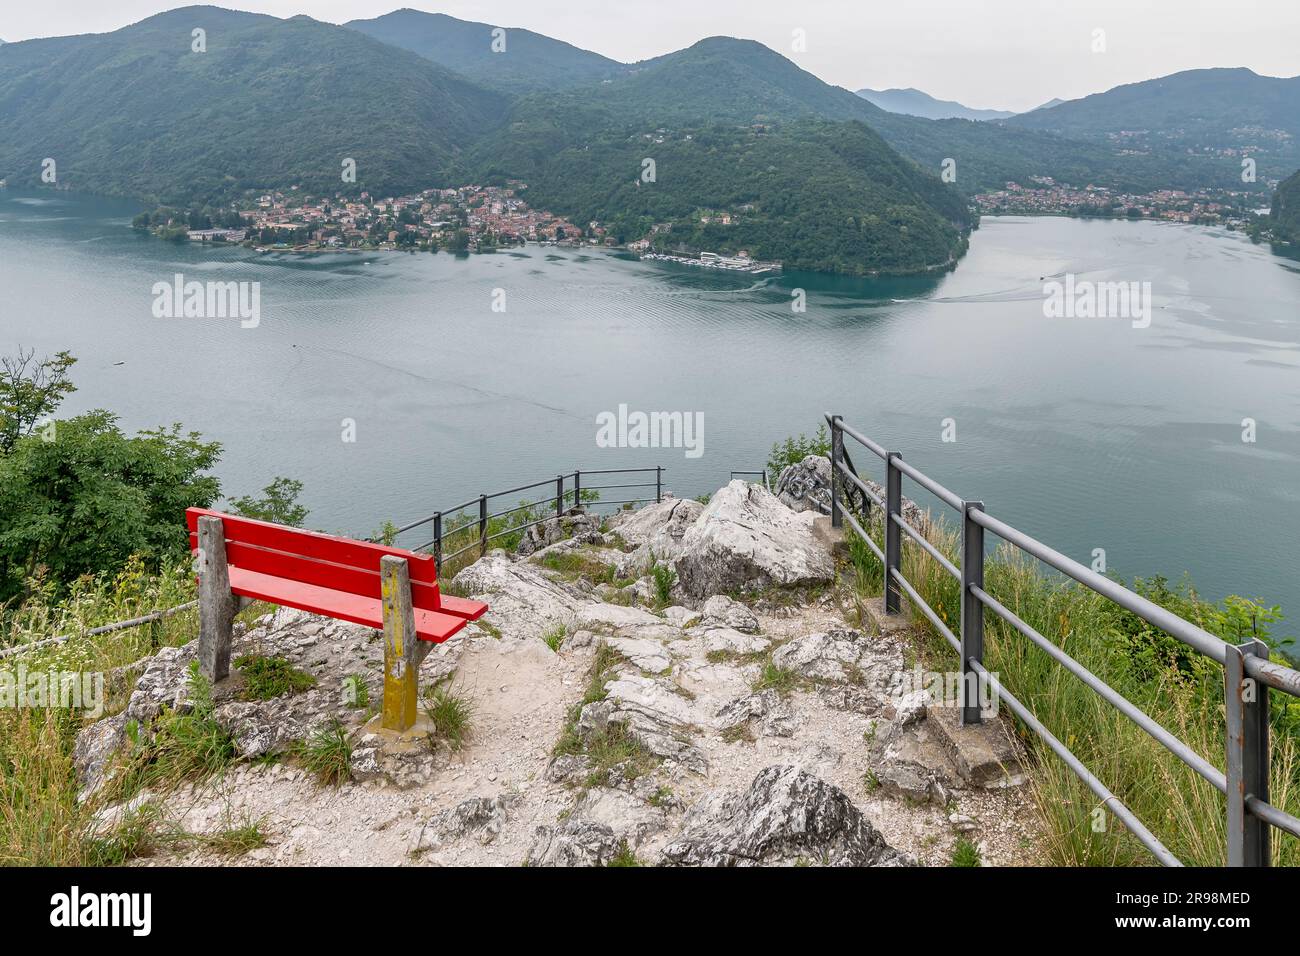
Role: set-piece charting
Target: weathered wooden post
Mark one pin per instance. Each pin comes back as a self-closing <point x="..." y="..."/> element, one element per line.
<point x="1246" y="701"/>
<point x="217" y="606"/>
<point x="403" y="650"/>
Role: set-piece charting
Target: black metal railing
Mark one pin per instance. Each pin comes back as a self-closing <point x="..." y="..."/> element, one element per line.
<point x="762" y="474"/>
<point x="562" y="492"/>
<point x="1246" y="782"/>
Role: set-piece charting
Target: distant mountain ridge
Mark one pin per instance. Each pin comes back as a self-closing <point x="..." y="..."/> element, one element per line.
<point x="914" y="102"/>
<point x="808" y="172"/>
<point x="1227" y="112"/>
<point x="515" y="59"/>
<point x="271" y="102"/>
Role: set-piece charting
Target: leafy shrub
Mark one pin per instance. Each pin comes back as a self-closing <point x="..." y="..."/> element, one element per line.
<point x="794" y="450"/>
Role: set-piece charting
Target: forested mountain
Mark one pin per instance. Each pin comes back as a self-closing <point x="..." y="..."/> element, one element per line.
<point x="810" y="173"/>
<point x="1225" y="113"/>
<point x="526" y="61"/>
<point x="812" y="193"/>
<point x="282" y="102"/>
<point x="731" y="127"/>
<point x="913" y="102"/>
<point x="1285" y="215"/>
<point x="722" y="79"/>
<point x="271" y="102"/>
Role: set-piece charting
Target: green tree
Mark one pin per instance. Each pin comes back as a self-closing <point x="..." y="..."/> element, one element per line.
<point x="30" y="391"/>
<point x="278" y="504"/>
<point x="83" y="498"/>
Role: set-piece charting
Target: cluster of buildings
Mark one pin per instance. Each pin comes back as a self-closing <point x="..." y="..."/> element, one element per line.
<point x="466" y="218"/>
<point x="1047" y="197"/>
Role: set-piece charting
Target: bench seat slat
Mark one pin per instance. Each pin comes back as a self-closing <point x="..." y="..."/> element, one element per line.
<point x="462" y="607"/>
<point x="431" y="626"/>
<point x="313" y="544"/>
<point x="326" y="574"/>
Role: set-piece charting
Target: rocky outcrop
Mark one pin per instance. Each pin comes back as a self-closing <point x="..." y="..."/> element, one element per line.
<point x="806" y="486"/>
<point x="787" y="816"/>
<point x="767" y="709"/>
<point x="746" y="540"/>
<point x="657" y="526"/>
<point x="661" y="720"/>
<point x="653" y="533"/>
<point x="653" y="753"/>
<point x="525" y="601"/>
<point x="480" y="818"/>
<point x="722" y="610"/>
<point x="577" y="526"/>
<point x="575" y="842"/>
<point x="332" y="652"/>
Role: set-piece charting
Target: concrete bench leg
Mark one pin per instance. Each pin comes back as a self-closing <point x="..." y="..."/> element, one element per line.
<point x="403" y="651"/>
<point x="217" y="606"/>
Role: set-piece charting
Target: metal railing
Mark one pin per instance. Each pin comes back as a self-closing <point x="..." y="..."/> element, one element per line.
<point x="560" y="489"/>
<point x="1246" y="782"/>
<point x="763" y="474"/>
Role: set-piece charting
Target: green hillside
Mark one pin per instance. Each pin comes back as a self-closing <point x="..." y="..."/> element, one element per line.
<point x="1219" y="114"/>
<point x="271" y="102"/>
<point x="722" y="79"/>
<point x="731" y="127"/>
<point x="1284" y="217"/>
<point x="529" y="62"/>
<point x="813" y="194"/>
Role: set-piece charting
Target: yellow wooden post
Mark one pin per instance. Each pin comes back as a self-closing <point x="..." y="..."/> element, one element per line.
<point x="403" y="651"/>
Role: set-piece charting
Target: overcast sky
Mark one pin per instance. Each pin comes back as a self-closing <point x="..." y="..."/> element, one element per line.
<point x="1005" y="54"/>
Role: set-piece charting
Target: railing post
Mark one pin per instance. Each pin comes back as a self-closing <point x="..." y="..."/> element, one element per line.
<point x="837" y="455"/>
<point x="559" y="495"/>
<point x="217" y="605"/>
<point x="577" y="489"/>
<point x="1248" y="758"/>
<point x="893" y="541"/>
<point x="972" y="611"/>
<point x="437" y="542"/>
<point x="482" y="525"/>
<point x="659" y="483"/>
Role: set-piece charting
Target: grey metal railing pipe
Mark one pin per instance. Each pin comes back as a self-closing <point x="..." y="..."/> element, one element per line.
<point x="1245" y="782"/>
<point x="893" y="545"/>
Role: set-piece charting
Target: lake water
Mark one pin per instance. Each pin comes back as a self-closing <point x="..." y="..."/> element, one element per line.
<point x="1087" y="433"/>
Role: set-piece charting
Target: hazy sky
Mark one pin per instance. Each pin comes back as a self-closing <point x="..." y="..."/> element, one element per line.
<point x="1009" y="54"/>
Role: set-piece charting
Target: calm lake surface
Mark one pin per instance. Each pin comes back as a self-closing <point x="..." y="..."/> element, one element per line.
<point x="1087" y="433"/>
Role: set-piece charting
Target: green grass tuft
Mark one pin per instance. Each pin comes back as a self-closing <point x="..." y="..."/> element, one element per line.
<point x="780" y="679"/>
<point x="327" y="753"/>
<point x="624" y="856"/>
<point x="266" y="678"/>
<point x="450" y="713"/>
<point x="965" y="853"/>
<point x="665" y="579"/>
<point x="555" y="637"/>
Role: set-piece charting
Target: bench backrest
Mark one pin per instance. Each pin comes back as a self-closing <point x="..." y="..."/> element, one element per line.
<point x="324" y="560"/>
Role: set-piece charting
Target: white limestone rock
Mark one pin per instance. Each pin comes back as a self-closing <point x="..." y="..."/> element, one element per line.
<point x="746" y="540"/>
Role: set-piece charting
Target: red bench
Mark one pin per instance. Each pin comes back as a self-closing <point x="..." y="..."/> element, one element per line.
<point x="389" y="589"/>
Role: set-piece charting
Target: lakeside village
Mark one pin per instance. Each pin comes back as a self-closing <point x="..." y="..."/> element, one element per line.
<point x="1202" y="207"/>
<point x="466" y="219"/>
